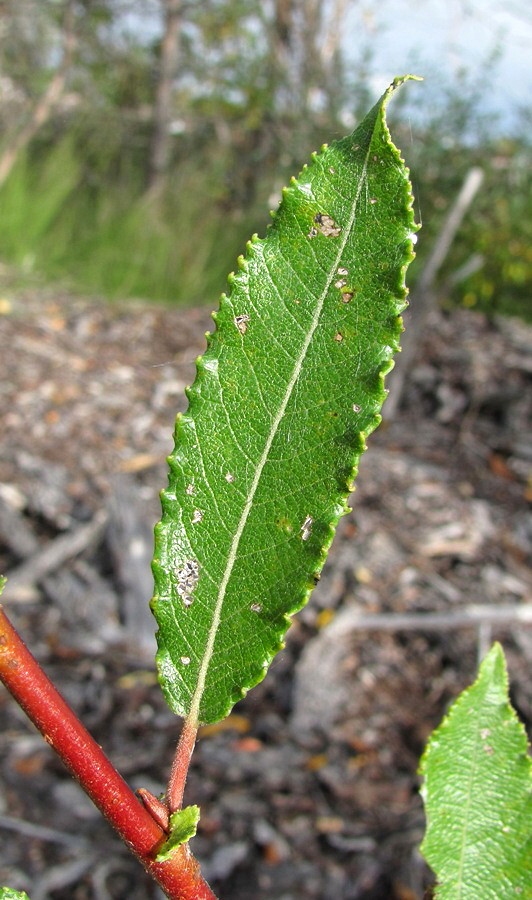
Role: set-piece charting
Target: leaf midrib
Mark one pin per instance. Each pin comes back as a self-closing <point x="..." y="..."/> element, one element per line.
<point x="464" y="848"/>
<point x="193" y="715"/>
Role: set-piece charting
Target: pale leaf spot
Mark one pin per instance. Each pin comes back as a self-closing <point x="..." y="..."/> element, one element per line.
<point x="210" y="365"/>
<point x="197" y="517"/>
<point x="347" y="296"/>
<point x="338" y="337"/>
<point x="229" y="477"/>
<point x="306" y="189"/>
<point x="256" y="607"/>
<point x="190" y="489"/>
<point x="342" y="271"/>
<point x="185" y="660"/>
<point x="306" y="528"/>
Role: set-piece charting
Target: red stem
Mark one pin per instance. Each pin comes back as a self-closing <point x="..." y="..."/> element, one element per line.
<point x="180" y="766"/>
<point x="22" y="675"/>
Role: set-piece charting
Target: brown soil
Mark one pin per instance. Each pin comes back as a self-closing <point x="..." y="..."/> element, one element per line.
<point x="309" y="790"/>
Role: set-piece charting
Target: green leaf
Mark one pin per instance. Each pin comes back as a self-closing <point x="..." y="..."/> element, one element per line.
<point x="477" y="794"/>
<point x="8" y="894"/>
<point x="183" y="825"/>
<point x="284" y="397"/>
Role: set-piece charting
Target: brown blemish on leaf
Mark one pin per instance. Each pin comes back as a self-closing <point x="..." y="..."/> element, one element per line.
<point x="241" y="323"/>
<point x="187" y="579"/>
<point x="285" y="525"/>
<point x="326" y="225"/>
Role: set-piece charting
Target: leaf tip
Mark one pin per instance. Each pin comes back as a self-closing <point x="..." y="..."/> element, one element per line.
<point x="401" y="79"/>
<point x="493" y="666"/>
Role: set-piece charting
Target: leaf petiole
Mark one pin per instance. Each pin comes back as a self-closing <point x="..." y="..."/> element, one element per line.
<point x="180" y="766"/>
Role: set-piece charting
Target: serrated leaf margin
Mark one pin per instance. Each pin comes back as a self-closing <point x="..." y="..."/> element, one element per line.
<point x="493" y="675"/>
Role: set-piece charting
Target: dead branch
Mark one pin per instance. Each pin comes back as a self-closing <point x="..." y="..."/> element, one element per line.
<point x="23" y="578"/>
<point x="350" y="620"/>
<point x="424" y="299"/>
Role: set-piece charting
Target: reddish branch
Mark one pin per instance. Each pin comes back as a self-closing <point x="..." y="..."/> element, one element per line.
<point x="176" y="783"/>
<point x="22" y="675"/>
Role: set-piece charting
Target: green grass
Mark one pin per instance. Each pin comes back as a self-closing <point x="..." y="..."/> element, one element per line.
<point x="76" y="213"/>
<point x="176" y="248"/>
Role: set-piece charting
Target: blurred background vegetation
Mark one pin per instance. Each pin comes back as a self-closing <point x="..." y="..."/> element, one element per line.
<point x="143" y="141"/>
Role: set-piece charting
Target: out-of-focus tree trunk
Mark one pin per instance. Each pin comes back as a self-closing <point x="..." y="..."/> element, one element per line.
<point x="283" y="63"/>
<point x="161" y="145"/>
<point x="330" y="47"/>
<point x="45" y="105"/>
<point x="305" y="40"/>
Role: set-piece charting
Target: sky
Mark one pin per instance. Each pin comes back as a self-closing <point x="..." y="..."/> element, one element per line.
<point x="444" y="36"/>
<point x="437" y="39"/>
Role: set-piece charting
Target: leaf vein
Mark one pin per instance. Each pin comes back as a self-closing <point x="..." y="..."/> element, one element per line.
<point x="193" y="716"/>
